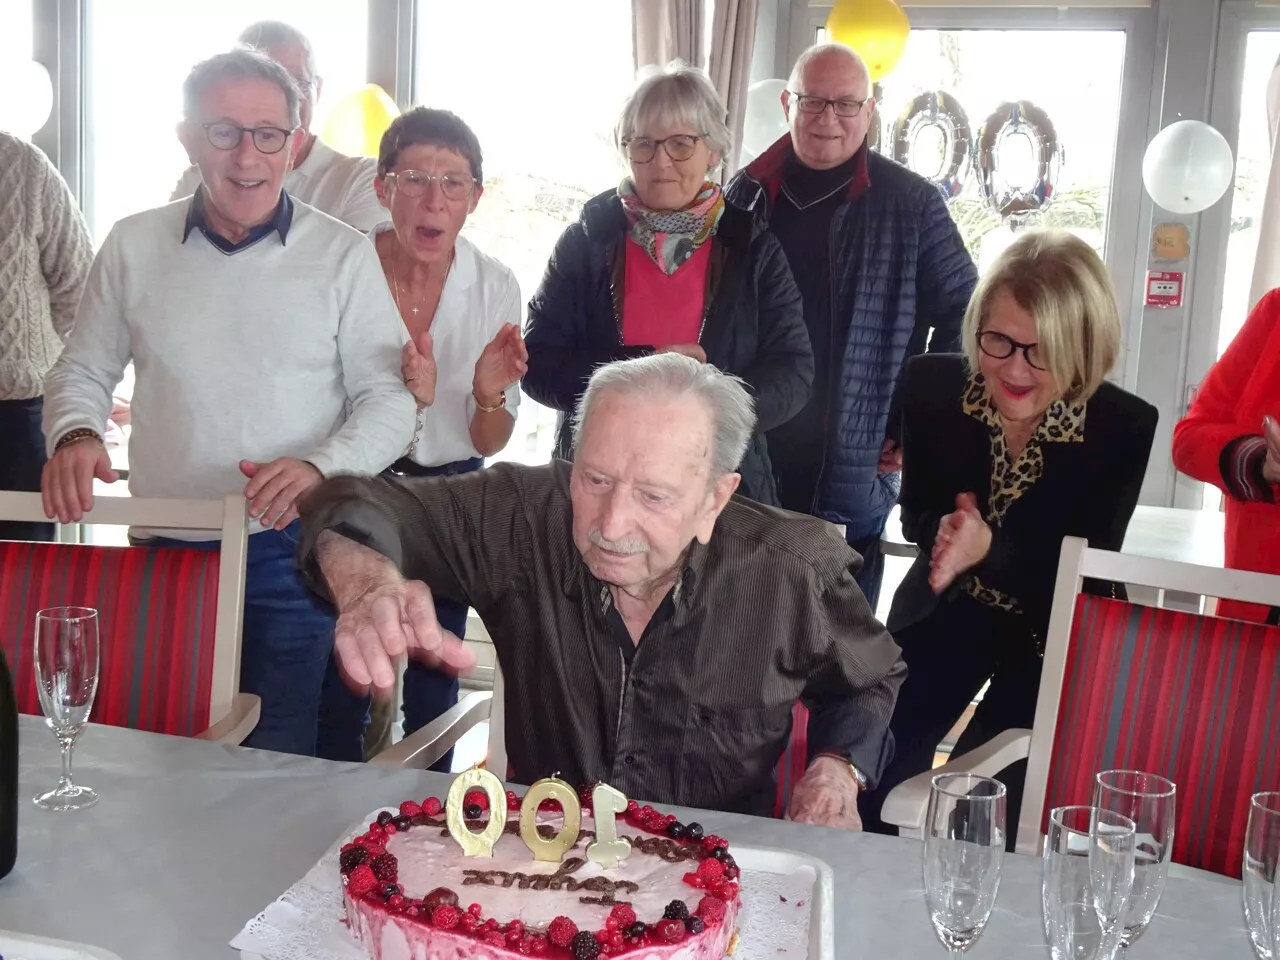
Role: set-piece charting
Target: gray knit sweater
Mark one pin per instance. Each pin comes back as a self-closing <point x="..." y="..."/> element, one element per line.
<point x="45" y="252"/>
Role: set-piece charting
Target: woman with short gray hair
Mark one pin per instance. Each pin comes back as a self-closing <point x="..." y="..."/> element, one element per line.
<point x="664" y="264"/>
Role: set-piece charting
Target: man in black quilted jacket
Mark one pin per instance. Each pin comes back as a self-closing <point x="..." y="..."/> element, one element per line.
<point x="884" y="275"/>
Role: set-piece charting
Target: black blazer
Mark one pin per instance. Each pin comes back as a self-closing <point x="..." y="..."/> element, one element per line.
<point x="1088" y="489"/>
<point x="753" y="325"/>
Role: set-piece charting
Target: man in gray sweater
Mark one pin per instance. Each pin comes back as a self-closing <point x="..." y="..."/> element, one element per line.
<point x="45" y="252"/>
<point x="266" y="348"/>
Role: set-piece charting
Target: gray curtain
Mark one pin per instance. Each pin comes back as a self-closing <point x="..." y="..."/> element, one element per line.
<point x="666" y="30"/>
<point x="733" y="40"/>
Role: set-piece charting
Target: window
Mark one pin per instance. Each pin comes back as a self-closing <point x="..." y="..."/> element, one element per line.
<point x="544" y="121"/>
<point x="134" y="101"/>
<point x="1253" y="164"/>
<point x="984" y="68"/>
<point x="15" y="31"/>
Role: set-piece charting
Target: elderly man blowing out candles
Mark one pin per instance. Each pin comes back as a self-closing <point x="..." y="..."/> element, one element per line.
<point x="655" y="632"/>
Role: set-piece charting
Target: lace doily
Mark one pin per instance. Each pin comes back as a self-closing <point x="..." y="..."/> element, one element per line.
<point x="306" y="922"/>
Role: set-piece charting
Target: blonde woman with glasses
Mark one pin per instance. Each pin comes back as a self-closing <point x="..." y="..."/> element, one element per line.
<point x="1006" y="450"/>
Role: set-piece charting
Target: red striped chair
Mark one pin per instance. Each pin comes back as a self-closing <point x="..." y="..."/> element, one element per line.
<point x="1125" y="686"/>
<point x="169" y="618"/>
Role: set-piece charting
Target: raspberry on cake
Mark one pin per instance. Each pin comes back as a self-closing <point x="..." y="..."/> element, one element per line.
<point x="406" y="884"/>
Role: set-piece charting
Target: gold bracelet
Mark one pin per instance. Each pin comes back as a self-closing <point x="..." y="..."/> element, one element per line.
<point x="502" y="402"/>
<point x="75" y="436"/>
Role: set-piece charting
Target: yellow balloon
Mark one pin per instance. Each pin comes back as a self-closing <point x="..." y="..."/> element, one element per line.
<point x="876" y="29"/>
<point x="356" y="122"/>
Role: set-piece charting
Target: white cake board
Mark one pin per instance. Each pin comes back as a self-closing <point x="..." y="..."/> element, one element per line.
<point x="784" y="891"/>
<point x="23" y="946"/>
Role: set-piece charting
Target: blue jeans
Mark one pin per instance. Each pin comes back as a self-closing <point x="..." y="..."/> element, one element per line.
<point x="287" y="641"/>
<point x="22" y="461"/>
<point x="344" y="715"/>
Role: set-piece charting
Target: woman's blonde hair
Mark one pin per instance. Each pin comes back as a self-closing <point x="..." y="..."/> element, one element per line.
<point x="1062" y="282"/>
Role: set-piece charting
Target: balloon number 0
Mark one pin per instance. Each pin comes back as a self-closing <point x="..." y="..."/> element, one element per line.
<point x="942" y="112"/>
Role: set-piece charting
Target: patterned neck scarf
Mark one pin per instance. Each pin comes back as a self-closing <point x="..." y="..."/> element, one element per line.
<point x="671" y="236"/>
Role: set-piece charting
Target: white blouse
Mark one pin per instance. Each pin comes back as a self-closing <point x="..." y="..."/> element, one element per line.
<point x="480" y="295"/>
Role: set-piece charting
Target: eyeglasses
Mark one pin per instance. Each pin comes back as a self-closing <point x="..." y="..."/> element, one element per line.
<point x="678" y="147"/>
<point x="227" y="136"/>
<point x="999" y="347"/>
<point x="414" y="183"/>
<point x="844" y="107"/>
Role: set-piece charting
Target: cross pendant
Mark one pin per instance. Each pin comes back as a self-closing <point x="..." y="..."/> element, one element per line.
<point x="414" y="311"/>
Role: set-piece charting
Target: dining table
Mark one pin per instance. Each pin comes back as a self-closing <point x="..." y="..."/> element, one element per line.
<point x="191" y="839"/>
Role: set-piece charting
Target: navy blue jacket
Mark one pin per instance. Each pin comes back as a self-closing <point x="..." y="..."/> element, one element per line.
<point x="899" y="269"/>
<point x="753" y="324"/>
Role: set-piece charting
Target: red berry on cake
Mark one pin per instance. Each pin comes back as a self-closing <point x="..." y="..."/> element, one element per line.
<point x="562" y="931"/>
<point x="712" y="909"/>
<point x="693" y="880"/>
<point x="361" y="880"/>
<point x="672" y="931"/>
<point x="432" y="806"/>
<point x="445" y="917"/>
<point x="513" y="801"/>
<point x="396" y="901"/>
<point x="439" y="897"/>
<point x="384" y="867"/>
<point x="410" y="809"/>
<point x="475" y="910"/>
<point x="711" y="870"/>
<point x="478" y="797"/>
<point x="469" y="923"/>
<point x="623" y="914"/>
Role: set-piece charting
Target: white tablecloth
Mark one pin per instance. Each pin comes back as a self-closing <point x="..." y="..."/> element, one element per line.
<point x="191" y="839"/>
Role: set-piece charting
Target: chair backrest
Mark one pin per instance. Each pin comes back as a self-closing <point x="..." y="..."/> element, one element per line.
<point x="791" y="765"/>
<point x="1180" y="694"/>
<point x="169" y="618"/>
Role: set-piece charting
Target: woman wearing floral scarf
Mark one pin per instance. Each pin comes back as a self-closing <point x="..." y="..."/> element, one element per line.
<point x="664" y="264"/>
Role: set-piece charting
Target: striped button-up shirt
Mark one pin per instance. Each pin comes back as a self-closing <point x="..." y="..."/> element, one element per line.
<point x="766" y="613"/>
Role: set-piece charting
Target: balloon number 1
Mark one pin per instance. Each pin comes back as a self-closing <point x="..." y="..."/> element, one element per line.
<point x="607" y="851"/>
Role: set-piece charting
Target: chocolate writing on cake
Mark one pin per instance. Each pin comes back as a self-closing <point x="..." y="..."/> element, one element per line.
<point x="560" y="880"/>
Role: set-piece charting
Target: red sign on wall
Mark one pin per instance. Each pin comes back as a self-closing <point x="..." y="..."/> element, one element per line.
<point x="1164" y="288"/>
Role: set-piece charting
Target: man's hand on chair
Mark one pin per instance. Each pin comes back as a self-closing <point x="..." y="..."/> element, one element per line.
<point x="827" y="795"/>
<point x="66" y="485"/>
<point x="382" y="617"/>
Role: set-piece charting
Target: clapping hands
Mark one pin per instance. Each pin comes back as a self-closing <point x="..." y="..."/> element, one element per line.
<point x="505" y="361"/>
<point x="418" y="367"/>
<point x="963" y="541"/>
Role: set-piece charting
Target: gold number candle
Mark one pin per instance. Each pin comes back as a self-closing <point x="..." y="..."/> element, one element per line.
<point x="609" y="849"/>
<point x="550" y="849"/>
<point x="476" y="844"/>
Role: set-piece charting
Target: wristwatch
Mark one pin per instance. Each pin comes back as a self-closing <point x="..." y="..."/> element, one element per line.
<point x="857" y="774"/>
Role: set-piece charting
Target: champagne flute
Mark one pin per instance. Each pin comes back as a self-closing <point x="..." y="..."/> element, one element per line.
<point x="67" y="681"/>
<point x="1261" y="851"/>
<point x="963" y="853"/>
<point x="1088" y="876"/>
<point x="1150" y="802"/>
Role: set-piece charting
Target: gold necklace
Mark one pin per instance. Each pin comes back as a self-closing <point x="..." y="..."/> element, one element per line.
<point x="395" y="282"/>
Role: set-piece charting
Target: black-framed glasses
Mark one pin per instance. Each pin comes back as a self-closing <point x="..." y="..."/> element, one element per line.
<point x="681" y="146"/>
<point x="1001" y="347"/>
<point x="414" y="183"/>
<point x="844" y="107"/>
<point x="225" y="135"/>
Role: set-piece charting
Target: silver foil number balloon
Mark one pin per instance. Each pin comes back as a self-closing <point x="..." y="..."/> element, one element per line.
<point x="1012" y="200"/>
<point x="941" y="111"/>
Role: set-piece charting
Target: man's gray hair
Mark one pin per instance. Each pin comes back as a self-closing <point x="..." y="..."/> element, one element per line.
<point x="675" y="95"/>
<point x="242" y="63"/>
<point x="275" y="33"/>
<point x="827" y="50"/>
<point x="671" y="376"/>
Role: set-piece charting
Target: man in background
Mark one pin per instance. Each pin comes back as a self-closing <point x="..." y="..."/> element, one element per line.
<point x="335" y="184"/>
<point x="880" y="264"/>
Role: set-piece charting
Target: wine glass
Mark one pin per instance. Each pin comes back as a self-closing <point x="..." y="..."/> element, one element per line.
<point x="963" y="852"/>
<point x="1150" y="802"/>
<point x="67" y="681"/>
<point x="1088" y="877"/>
<point x="1261" y="851"/>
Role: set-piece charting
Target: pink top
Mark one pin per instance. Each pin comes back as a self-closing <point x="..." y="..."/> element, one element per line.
<point x="659" y="310"/>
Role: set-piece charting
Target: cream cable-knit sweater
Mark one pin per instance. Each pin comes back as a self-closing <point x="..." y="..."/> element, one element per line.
<point x="45" y="253"/>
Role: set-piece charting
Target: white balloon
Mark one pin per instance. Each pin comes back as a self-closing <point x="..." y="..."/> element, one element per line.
<point x="28" y="97"/>
<point x="1187" y="167"/>
<point x="765" y="121"/>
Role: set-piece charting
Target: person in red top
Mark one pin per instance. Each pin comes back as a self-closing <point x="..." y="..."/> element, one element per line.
<point x="1230" y="438"/>
<point x="664" y="264"/>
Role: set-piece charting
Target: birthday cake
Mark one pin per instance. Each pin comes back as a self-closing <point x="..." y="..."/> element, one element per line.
<point x="412" y="893"/>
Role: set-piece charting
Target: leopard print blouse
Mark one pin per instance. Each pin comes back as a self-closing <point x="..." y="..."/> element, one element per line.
<point x="1012" y="477"/>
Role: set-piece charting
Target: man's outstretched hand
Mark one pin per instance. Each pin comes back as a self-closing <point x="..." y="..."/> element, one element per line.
<point x="382" y="617"/>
